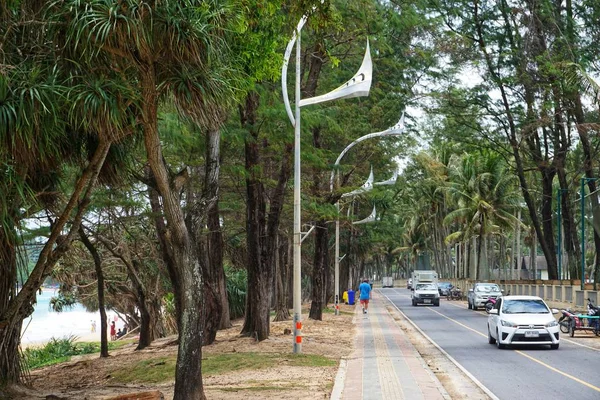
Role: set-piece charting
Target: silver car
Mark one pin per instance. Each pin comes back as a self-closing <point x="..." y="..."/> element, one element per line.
<point x="481" y="293"/>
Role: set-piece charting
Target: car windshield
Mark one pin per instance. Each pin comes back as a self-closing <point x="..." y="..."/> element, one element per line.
<point x="426" y="286"/>
<point x="524" y="306"/>
<point x="487" y="288"/>
<point x="444" y="284"/>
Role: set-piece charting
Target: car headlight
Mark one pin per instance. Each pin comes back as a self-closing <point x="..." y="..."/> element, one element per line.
<point x="508" y="323"/>
<point x="551" y="324"/>
<point x="417" y="295"/>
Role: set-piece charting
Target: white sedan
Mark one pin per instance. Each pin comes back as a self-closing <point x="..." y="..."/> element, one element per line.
<point x="522" y="320"/>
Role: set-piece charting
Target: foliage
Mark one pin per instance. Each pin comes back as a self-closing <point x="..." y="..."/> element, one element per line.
<point x="61" y="350"/>
<point x="236" y="290"/>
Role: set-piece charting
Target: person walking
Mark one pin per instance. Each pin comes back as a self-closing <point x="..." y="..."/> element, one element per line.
<point x="365" y="295"/>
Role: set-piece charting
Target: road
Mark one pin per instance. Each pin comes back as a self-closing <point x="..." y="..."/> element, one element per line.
<point x="573" y="371"/>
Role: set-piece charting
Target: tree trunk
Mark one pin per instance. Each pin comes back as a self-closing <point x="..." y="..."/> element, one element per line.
<point x="256" y="321"/>
<point x="282" y="271"/>
<point x="320" y="271"/>
<point x="16" y="307"/>
<point x="215" y="234"/>
<point x="100" y="282"/>
<point x="184" y="267"/>
<point x="10" y="362"/>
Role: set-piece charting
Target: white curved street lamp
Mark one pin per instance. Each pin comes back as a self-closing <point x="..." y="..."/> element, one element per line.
<point x="359" y="85"/>
<point x="395" y="130"/>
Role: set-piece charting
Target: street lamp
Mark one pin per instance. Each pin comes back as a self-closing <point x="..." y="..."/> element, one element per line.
<point x="359" y="85"/>
<point x="583" y="182"/>
<point x="395" y="130"/>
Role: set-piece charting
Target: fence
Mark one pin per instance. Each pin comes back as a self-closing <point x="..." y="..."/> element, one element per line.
<point x="560" y="291"/>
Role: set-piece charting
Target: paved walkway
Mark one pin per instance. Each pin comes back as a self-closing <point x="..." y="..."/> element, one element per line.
<point x="384" y="364"/>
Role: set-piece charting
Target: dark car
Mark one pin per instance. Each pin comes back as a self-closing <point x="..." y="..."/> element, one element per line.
<point x="444" y="288"/>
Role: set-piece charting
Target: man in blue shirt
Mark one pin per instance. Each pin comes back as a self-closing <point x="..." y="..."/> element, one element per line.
<point x="365" y="295"/>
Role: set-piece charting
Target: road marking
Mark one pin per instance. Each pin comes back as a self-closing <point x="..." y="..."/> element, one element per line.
<point x="564" y="339"/>
<point x="445" y="353"/>
<point x="523" y="354"/>
<point x="558" y="371"/>
<point x="579" y="344"/>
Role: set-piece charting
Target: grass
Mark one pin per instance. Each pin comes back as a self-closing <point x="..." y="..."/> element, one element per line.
<point x="61" y="350"/>
<point x="163" y="369"/>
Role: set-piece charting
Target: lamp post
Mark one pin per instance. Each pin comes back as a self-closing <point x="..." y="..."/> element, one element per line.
<point x="395" y="130"/>
<point x="583" y="182"/>
<point x="359" y="85"/>
<point x="559" y="228"/>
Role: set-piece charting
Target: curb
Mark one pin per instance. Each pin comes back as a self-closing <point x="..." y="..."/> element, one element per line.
<point x="340" y="378"/>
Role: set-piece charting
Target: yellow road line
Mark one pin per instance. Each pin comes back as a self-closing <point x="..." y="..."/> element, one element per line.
<point x="558" y="371"/>
<point x="523" y="354"/>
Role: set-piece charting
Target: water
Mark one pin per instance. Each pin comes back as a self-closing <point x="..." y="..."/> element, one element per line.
<point x="44" y="324"/>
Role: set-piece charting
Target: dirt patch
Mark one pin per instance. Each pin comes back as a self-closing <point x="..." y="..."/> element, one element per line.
<point x="90" y="377"/>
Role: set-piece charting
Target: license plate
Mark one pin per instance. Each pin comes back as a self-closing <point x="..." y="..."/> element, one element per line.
<point x="427" y="301"/>
<point x="532" y="334"/>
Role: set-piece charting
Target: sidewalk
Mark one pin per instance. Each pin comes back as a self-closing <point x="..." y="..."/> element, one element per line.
<point x="384" y="364"/>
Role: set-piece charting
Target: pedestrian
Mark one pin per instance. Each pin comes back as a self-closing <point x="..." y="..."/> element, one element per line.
<point x="365" y="295"/>
<point x="93" y="326"/>
<point x="113" y="331"/>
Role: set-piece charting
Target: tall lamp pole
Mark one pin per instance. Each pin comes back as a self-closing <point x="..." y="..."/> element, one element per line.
<point x="395" y="130"/>
<point x="359" y="85"/>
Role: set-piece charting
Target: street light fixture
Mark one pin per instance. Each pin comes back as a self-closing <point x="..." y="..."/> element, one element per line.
<point x="359" y="85"/>
<point x="395" y="130"/>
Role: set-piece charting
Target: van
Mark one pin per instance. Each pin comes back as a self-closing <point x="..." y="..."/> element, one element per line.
<point x="387" y="281"/>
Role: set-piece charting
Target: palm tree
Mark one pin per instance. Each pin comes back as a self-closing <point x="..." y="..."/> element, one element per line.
<point x="486" y="197"/>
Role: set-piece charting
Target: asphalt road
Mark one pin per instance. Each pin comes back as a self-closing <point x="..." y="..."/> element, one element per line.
<point x="571" y="372"/>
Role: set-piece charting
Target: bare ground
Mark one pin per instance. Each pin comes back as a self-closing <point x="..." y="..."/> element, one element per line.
<point x="90" y="377"/>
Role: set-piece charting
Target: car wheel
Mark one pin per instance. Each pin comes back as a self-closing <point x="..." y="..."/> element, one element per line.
<point x="564" y="326"/>
<point x="554" y="346"/>
<point x="498" y="344"/>
<point x="491" y="340"/>
<point x="469" y="304"/>
<point x="414" y="303"/>
<point x="437" y="303"/>
<point x="474" y="307"/>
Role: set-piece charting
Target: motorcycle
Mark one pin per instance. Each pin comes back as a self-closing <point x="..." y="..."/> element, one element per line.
<point x="492" y="302"/>
<point x="565" y="320"/>
<point x="454" y="293"/>
<point x="594" y="311"/>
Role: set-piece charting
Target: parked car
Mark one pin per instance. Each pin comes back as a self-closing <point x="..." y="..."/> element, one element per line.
<point x="444" y="288"/>
<point x="480" y="294"/>
<point x="409" y="283"/>
<point x="522" y="320"/>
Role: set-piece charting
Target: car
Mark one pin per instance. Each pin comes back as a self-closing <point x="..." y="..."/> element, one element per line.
<point x="409" y="283"/>
<point x="522" y="320"/>
<point x="425" y="293"/>
<point x="480" y="294"/>
<point x="444" y="288"/>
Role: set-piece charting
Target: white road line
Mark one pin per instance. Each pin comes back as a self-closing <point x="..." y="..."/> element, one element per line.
<point x="448" y="356"/>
